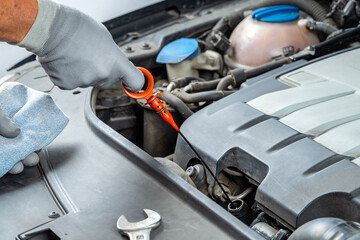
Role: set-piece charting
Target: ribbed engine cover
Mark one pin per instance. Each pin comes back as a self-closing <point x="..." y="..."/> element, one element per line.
<point x="295" y="132"/>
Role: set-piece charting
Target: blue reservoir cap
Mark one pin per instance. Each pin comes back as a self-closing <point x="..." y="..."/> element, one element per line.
<point x="178" y="51"/>
<point x="281" y="13"/>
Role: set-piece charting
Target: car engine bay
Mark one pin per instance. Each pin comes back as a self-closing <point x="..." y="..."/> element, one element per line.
<point x="266" y="94"/>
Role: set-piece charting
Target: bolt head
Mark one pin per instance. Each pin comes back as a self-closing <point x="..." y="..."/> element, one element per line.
<point x="310" y="48"/>
<point x="54" y="214"/>
<point x="145" y="46"/>
<point x="128" y="49"/>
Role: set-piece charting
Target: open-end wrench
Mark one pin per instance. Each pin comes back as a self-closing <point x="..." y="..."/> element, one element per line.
<point x="139" y="230"/>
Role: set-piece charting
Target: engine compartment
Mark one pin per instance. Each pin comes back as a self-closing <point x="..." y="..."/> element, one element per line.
<point x="281" y="169"/>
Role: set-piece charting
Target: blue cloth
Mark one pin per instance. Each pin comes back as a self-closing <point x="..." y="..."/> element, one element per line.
<point x="38" y="117"/>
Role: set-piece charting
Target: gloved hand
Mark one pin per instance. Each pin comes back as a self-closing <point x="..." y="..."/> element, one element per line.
<point x="31" y="160"/>
<point x="9" y="129"/>
<point x="77" y="51"/>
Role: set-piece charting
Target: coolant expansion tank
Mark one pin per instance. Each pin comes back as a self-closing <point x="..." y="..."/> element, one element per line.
<point x="269" y="33"/>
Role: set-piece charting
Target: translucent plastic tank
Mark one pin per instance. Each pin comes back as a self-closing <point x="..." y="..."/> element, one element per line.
<point x="262" y="37"/>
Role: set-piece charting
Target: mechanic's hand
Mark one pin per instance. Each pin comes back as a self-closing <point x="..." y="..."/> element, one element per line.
<point x="8" y="128"/>
<point x="77" y="51"/>
<point x="31" y="160"/>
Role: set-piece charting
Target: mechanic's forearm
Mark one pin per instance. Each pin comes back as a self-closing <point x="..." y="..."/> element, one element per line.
<point x="16" y="18"/>
<point x="74" y="49"/>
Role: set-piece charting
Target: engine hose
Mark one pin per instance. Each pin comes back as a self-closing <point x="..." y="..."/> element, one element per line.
<point x="177" y="104"/>
<point x="243" y="194"/>
<point x="320" y="27"/>
<point x="225" y="82"/>
<point x="201" y="96"/>
<point x="201" y="86"/>
<point x="229" y="22"/>
<point x="239" y="75"/>
<point x="182" y="82"/>
<point x="266" y="67"/>
<point x="311" y="7"/>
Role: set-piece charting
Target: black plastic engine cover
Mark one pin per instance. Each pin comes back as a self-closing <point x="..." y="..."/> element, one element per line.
<point x="299" y="179"/>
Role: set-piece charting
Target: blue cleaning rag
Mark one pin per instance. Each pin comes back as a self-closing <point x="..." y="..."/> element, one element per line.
<point x="38" y="117"/>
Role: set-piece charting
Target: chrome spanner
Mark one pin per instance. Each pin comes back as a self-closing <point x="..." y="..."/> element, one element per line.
<point x="139" y="230"/>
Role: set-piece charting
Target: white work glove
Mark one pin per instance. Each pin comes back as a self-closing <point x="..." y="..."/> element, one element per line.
<point x="77" y="51"/>
<point x="9" y="129"/>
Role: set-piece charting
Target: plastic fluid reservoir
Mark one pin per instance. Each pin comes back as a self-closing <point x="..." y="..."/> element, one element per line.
<point x="269" y="33"/>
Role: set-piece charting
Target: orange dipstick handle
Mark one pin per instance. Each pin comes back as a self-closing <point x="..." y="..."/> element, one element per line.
<point x="152" y="99"/>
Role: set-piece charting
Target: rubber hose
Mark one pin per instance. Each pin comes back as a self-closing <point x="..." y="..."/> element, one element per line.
<point x="321" y="27"/>
<point x="201" y="96"/>
<point x="243" y="194"/>
<point x="239" y="75"/>
<point x="225" y="82"/>
<point x="177" y="104"/>
<point x="266" y="67"/>
<point x="182" y="82"/>
<point x="201" y="86"/>
<point x="229" y="22"/>
<point x="194" y="78"/>
<point x="311" y="7"/>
